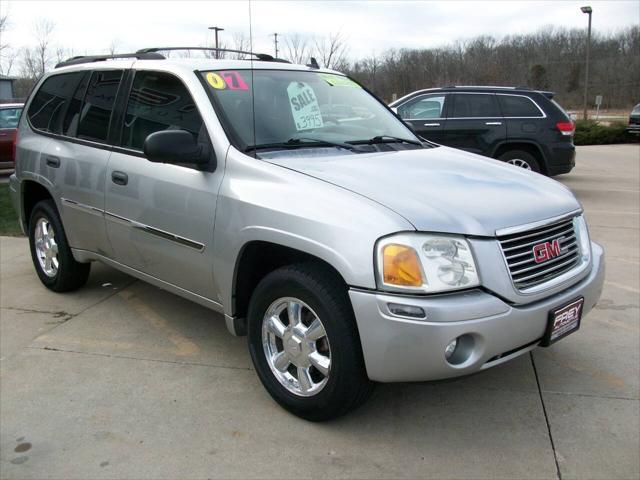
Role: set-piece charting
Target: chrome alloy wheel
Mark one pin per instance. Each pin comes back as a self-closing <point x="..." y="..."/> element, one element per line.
<point x="46" y="247"/>
<point x="519" y="163"/>
<point x="296" y="346"/>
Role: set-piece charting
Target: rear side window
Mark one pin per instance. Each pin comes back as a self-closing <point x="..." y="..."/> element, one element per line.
<point x="517" y="106"/>
<point x="475" y="105"/>
<point x="9" y="117"/>
<point x="51" y="101"/>
<point x="96" y="111"/>
<point x="423" y="108"/>
<point x="159" y="101"/>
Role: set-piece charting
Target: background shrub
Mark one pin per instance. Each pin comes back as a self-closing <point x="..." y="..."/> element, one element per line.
<point x="589" y="132"/>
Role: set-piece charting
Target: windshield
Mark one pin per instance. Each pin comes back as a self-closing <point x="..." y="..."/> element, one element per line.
<point x="636" y="109"/>
<point x="295" y="105"/>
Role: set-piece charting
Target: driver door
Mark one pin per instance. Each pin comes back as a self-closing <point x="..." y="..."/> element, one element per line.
<point x="159" y="216"/>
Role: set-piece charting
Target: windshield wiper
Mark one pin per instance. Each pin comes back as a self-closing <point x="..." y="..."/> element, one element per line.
<point x="302" y="142"/>
<point x="387" y="139"/>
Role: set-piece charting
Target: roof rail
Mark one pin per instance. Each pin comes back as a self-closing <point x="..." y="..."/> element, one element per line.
<point x="260" y="56"/>
<point x="99" y="58"/>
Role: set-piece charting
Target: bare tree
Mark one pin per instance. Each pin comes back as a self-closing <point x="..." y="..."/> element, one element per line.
<point x="331" y="51"/>
<point x="4" y="22"/>
<point x="113" y="46"/>
<point x="42" y="30"/>
<point x="240" y="42"/>
<point x="297" y="48"/>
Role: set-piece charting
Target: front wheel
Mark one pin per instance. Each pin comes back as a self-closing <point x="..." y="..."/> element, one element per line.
<point x="304" y="342"/>
<point x="522" y="159"/>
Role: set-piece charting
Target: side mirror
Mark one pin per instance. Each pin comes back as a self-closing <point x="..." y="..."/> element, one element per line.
<point x="175" y="146"/>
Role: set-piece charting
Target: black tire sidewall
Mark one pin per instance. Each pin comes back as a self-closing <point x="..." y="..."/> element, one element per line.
<point x="521" y="155"/>
<point x="346" y="364"/>
<point x="70" y="274"/>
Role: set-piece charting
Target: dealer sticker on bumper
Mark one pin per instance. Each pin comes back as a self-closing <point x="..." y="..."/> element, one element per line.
<point x="563" y="321"/>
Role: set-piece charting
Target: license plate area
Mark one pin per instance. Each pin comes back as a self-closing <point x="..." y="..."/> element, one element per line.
<point x="562" y="322"/>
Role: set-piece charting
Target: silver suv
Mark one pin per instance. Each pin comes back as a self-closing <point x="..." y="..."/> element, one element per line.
<point x="294" y="202"/>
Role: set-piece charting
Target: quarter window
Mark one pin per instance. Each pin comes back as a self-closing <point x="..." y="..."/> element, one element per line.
<point x="423" y="108"/>
<point x="475" y="105"/>
<point x="98" y="105"/>
<point x="515" y="106"/>
<point x="159" y="101"/>
<point x="49" y="104"/>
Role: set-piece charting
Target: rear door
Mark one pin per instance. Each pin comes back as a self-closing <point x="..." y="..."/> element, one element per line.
<point x="474" y="123"/>
<point x="74" y="110"/>
<point x="523" y="117"/>
<point x="159" y="217"/>
<point x="426" y="114"/>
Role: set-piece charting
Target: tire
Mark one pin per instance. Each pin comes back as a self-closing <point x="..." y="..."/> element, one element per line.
<point x="57" y="271"/>
<point x="521" y="159"/>
<point x="321" y="295"/>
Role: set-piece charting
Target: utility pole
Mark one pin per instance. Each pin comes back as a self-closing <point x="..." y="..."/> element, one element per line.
<point x="587" y="10"/>
<point x="275" y="41"/>
<point x="216" y="30"/>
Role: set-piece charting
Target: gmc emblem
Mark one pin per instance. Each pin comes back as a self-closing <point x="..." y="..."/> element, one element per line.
<point x="543" y="252"/>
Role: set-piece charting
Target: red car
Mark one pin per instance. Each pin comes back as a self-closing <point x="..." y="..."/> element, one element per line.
<point x="9" y="116"/>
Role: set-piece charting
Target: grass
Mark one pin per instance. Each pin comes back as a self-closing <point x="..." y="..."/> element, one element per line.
<point x="8" y="218"/>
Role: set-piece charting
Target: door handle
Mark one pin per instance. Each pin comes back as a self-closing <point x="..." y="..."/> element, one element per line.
<point x="431" y="124"/>
<point x="52" y="161"/>
<point x="119" y="178"/>
<point x="493" y="123"/>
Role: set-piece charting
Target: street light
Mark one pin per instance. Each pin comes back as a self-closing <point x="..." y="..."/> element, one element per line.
<point x="216" y="30"/>
<point x="587" y="10"/>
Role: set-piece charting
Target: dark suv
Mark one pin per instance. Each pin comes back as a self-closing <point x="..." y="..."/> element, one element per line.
<point x="520" y="126"/>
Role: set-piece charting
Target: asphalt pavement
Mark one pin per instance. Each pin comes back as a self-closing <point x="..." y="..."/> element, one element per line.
<point x="123" y="380"/>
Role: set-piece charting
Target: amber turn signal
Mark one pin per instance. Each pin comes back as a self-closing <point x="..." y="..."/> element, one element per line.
<point x="401" y="266"/>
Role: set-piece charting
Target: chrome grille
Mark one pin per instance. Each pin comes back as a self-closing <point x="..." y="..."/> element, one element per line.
<point x="518" y="252"/>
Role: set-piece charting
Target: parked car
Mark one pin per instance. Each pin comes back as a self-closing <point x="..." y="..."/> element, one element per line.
<point x="349" y="251"/>
<point x="523" y="127"/>
<point x="634" y="120"/>
<point x="9" y="116"/>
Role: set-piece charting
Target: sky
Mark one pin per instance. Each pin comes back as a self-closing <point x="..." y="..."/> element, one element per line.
<point x="89" y="27"/>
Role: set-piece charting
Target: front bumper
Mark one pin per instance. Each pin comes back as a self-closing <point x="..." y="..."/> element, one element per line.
<point x="400" y="349"/>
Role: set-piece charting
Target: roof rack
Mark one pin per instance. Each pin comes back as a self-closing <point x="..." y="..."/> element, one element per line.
<point x="99" y="58"/>
<point x="153" y="54"/>
<point x="260" y="56"/>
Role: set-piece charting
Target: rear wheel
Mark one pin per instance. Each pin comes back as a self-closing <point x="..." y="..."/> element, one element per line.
<point x="522" y="159"/>
<point x="304" y="342"/>
<point x="50" y="252"/>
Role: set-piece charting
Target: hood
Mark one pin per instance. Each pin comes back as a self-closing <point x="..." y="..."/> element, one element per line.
<point x="440" y="189"/>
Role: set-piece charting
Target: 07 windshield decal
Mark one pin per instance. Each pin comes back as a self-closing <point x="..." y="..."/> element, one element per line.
<point x="226" y="79"/>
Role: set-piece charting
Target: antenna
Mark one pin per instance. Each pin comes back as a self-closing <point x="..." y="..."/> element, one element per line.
<point x="253" y="84"/>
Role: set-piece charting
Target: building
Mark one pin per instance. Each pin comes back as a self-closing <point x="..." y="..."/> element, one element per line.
<point x="6" y="88"/>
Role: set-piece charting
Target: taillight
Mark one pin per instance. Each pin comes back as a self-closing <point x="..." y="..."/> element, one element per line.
<point x="566" y="128"/>
<point x="14" y="145"/>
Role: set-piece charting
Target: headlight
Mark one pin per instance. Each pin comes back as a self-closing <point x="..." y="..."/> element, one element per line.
<point x="580" y="226"/>
<point x="425" y="263"/>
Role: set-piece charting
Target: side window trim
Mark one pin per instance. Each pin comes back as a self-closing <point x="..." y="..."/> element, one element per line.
<point x="453" y="96"/>
<point x="116" y="126"/>
<point x="544" y="115"/>
<point x="418" y="98"/>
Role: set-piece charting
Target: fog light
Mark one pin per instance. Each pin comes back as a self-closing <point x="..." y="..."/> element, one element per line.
<point x="450" y="349"/>
<point x="406" y="310"/>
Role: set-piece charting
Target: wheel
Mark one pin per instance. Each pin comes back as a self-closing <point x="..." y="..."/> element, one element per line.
<point x="304" y="342"/>
<point x="521" y="159"/>
<point x="50" y="252"/>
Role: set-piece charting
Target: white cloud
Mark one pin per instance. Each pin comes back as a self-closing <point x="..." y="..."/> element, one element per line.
<point x="91" y="26"/>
